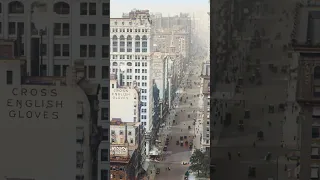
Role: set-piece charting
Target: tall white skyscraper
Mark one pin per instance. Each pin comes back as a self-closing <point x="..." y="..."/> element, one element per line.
<point x="131" y="58"/>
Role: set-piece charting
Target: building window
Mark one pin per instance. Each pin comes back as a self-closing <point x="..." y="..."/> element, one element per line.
<point x="92" y="9"/>
<point x="121" y="132"/>
<point x="105" y="51"/>
<point x="104" y="113"/>
<point x="57" y="70"/>
<point x="144" y="43"/>
<point x="131" y="141"/>
<point x="16" y="7"/>
<point x="122" y="44"/>
<point x="129" y="44"/>
<point x="105" y="30"/>
<point x="20" y="28"/>
<point x="12" y="28"/>
<point x="61" y="8"/>
<point x="129" y="133"/>
<point x="83" y="8"/>
<point x="106" y="9"/>
<point x="65" y="29"/>
<point x="104" y="175"/>
<point x="114" y="43"/>
<point x="65" y="50"/>
<point x="92" y="30"/>
<point x="137" y="43"/>
<point x="9" y="77"/>
<point x="92" y="72"/>
<point x="83" y="50"/>
<point x="83" y="29"/>
<point x="57" y="29"/>
<point x="315" y="132"/>
<point x="105" y="72"/>
<point x="104" y="155"/>
<point x="105" y="134"/>
<point x="105" y="93"/>
<point x="92" y="50"/>
<point x="57" y="50"/>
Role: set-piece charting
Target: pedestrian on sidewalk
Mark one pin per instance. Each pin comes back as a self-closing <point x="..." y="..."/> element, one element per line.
<point x="254" y="144"/>
<point x="239" y="155"/>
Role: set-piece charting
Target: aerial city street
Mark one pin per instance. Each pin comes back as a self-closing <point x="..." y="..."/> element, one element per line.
<point x="159" y="86"/>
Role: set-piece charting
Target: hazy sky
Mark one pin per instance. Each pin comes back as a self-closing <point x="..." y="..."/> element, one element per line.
<point x="166" y="7"/>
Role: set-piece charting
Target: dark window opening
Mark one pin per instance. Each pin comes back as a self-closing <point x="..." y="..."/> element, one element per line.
<point x="83" y="8"/>
<point x="9" y="77"/>
<point x="61" y="8"/>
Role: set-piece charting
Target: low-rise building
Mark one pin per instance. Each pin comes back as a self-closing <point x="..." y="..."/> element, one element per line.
<point x="126" y="159"/>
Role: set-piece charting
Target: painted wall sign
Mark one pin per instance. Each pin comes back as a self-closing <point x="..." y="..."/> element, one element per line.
<point x="23" y="107"/>
<point x="118" y="150"/>
<point x="120" y="94"/>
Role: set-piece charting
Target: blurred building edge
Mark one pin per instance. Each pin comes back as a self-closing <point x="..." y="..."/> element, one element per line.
<point x="204" y="103"/>
<point x="78" y="104"/>
<point x="305" y="49"/>
<point x="125" y="150"/>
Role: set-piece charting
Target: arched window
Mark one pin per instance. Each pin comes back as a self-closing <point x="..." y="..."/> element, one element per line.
<point x="129" y="64"/>
<point x="122" y="43"/>
<point x="16" y="7"/>
<point x="144" y="43"/>
<point x="61" y="8"/>
<point x="129" y="43"/>
<point x="137" y="43"/>
<point x="114" y="64"/>
<point x="115" y="43"/>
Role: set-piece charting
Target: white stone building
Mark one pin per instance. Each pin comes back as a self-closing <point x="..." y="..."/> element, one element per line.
<point x="51" y="118"/>
<point x="204" y="103"/>
<point x="53" y="34"/>
<point x="126" y="101"/>
<point x="131" y="60"/>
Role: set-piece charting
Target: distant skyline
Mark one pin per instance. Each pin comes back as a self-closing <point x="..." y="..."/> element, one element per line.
<point x="166" y="7"/>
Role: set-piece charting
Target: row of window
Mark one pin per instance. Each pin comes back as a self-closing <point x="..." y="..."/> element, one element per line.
<point x="16" y="7"/>
<point x="60" y="29"/>
<point x="91" y="29"/>
<point x="130" y="70"/>
<point x="129" y="30"/>
<point x="130" y="57"/>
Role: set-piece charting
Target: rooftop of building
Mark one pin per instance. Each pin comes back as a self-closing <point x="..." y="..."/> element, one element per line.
<point x="118" y="122"/>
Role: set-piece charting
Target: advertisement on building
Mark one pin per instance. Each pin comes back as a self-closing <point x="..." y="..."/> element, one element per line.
<point x="127" y="101"/>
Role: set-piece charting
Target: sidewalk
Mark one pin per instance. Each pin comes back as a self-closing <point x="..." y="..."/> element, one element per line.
<point x="290" y="127"/>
